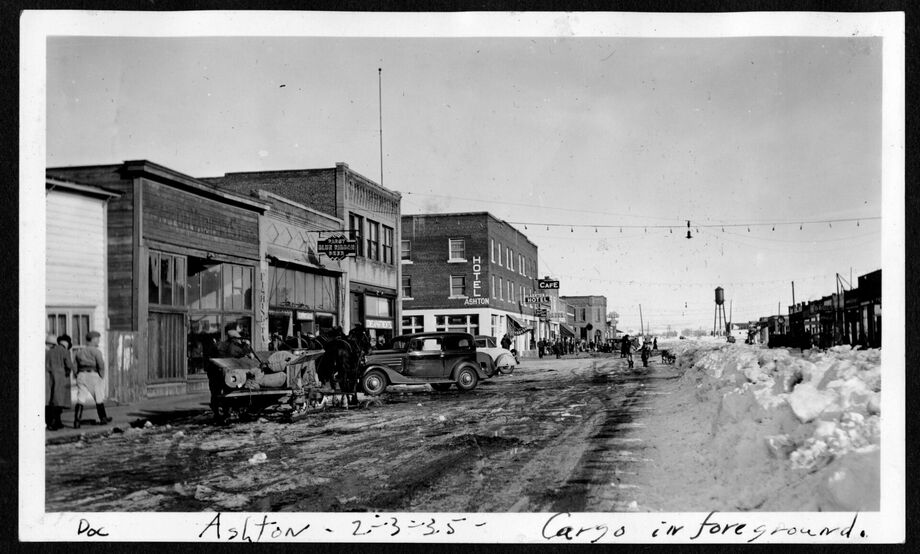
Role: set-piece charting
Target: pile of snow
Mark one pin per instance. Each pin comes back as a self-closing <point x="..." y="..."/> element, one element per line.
<point x="780" y="410"/>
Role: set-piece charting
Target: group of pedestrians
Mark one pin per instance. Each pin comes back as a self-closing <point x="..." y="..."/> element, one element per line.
<point x="86" y="366"/>
<point x="559" y="347"/>
<point x="639" y="344"/>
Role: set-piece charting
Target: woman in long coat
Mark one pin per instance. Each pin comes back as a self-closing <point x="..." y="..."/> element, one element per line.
<point x="58" y="368"/>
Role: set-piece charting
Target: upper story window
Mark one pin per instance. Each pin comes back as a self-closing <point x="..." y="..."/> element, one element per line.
<point x="510" y="291"/>
<point x="373" y="240"/>
<point x="407" y="286"/>
<point x="356" y="227"/>
<point x="521" y="263"/>
<point x="458" y="285"/>
<point x="492" y="250"/>
<point x="457" y="249"/>
<point x="509" y="257"/>
<point x="387" y="245"/>
<point x="581" y="314"/>
<point x="405" y="250"/>
<point x="499" y="253"/>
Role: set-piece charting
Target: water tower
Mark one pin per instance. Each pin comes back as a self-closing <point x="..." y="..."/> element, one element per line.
<point x="718" y="319"/>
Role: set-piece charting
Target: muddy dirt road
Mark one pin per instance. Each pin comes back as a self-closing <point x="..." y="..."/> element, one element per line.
<point x="557" y="435"/>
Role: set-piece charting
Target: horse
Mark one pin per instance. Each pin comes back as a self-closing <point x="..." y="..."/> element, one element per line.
<point x="340" y="365"/>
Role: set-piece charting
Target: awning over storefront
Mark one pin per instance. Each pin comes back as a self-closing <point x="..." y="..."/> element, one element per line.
<point x="566" y="330"/>
<point x="516" y="327"/>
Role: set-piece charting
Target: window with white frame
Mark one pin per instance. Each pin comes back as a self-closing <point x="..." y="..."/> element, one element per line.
<point x="460" y="323"/>
<point x="356" y="230"/>
<point x="457" y="249"/>
<point x="494" y="325"/>
<point x="412" y="324"/>
<point x="499" y="254"/>
<point x="492" y="250"/>
<point x="509" y="257"/>
<point x="510" y="291"/>
<point x="521" y="263"/>
<point x="494" y="292"/>
<point x="501" y="288"/>
<point x="457" y="285"/>
<point x="405" y="250"/>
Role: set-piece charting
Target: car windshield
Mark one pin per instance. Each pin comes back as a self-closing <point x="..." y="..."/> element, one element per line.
<point x="485" y="342"/>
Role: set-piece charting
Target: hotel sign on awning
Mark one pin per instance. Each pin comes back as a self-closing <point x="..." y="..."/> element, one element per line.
<point x="337" y="247"/>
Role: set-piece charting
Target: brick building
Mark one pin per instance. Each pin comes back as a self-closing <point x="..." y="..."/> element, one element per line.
<point x="590" y="316"/>
<point x="371" y="215"/>
<point x="468" y="272"/>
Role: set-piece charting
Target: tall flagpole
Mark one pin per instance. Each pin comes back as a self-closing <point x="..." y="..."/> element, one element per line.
<point x="380" y="110"/>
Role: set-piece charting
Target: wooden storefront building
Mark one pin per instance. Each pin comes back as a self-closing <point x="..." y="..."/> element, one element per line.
<point x="184" y="262"/>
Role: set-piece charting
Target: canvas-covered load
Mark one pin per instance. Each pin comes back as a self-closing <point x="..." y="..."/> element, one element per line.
<point x="238" y="373"/>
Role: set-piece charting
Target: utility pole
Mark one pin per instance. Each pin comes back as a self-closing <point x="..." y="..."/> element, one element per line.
<point x="793" y="293"/>
<point x="380" y="111"/>
<point x="641" y="325"/>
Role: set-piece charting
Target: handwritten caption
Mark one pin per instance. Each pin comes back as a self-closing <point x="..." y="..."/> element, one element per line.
<point x="562" y="527"/>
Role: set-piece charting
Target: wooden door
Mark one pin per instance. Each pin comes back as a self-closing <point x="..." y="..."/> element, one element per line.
<point x="166" y="338"/>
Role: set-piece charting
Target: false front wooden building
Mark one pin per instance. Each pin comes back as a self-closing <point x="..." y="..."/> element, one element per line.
<point x="183" y="266"/>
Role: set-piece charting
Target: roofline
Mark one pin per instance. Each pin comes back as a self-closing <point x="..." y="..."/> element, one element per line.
<point x="481" y="213"/>
<point x="261" y="193"/>
<point x="383" y="190"/>
<point x="53" y="183"/>
<point x="189" y="182"/>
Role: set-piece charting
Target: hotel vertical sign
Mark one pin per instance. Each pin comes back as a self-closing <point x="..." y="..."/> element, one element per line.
<point x="476" y="299"/>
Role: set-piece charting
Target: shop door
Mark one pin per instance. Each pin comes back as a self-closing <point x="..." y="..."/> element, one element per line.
<point x="165" y="347"/>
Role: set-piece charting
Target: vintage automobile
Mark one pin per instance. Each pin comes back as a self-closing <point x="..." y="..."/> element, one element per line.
<point x="436" y="359"/>
<point x="492" y="357"/>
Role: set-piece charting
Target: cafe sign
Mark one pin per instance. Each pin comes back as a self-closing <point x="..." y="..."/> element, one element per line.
<point x="337" y="247"/>
<point x="545" y="284"/>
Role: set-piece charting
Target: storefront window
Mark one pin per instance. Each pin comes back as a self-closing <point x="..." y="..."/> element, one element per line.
<point x="204" y="334"/>
<point x="375" y="306"/>
<point x="461" y="323"/>
<point x="166" y="279"/>
<point x="412" y="324"/>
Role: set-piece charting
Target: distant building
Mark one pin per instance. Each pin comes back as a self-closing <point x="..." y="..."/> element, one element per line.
<point x="468" y="272"/>
<point x="590" y="316"/>
<point x="371" y="216"/>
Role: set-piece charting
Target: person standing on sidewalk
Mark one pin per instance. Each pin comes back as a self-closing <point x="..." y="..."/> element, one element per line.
<point x="90" y="386"/>
<point x="58" y="368"/>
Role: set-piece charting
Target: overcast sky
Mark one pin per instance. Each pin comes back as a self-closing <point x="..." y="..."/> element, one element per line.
<point x="573" y="131"/>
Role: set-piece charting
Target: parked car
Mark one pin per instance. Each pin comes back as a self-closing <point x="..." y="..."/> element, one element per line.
<point x="492" y="357"/>
<point x="436" y="359"/>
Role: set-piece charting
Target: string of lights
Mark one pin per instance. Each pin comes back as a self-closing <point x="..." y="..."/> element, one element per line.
<point x="689" y="224"/>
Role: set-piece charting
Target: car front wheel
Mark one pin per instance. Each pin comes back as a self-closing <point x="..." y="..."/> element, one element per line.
<point x="374" y="382"/>
<point x="467" y="379"/>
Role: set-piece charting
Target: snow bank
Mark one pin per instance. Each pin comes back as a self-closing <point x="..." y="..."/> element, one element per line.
<point x="777" y="410"/>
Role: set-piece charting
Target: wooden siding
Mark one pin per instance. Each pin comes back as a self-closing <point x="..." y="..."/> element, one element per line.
<point x="181" y="218"/>
<point x="75" y="262"/>
<point x="126" y="381"/>
<point x="122" y="311"/>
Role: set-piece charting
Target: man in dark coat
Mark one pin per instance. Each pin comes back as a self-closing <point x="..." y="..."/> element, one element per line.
<point x="233" y="347"/>
<point x="506" y="342"/>
<point x="58" y="368"/>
